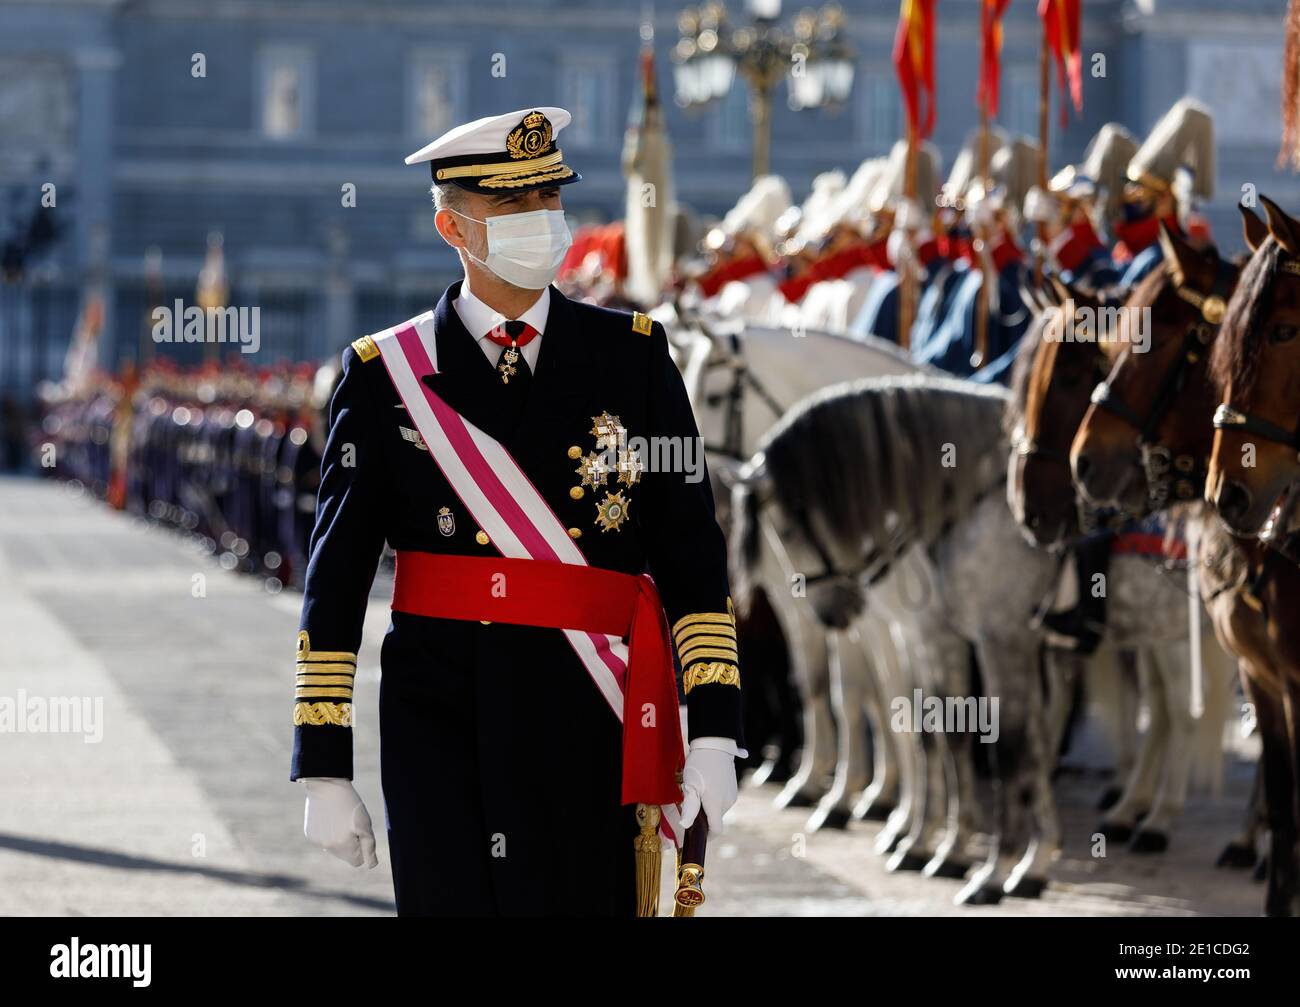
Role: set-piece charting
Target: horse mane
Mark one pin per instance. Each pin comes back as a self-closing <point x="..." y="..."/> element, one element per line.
<point x="865" y="460"/>
<point x="1023" y="368"/>
<point x="1233" y="357"/>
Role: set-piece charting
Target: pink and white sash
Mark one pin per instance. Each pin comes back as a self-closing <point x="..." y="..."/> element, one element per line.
<point x="502" y="500"/>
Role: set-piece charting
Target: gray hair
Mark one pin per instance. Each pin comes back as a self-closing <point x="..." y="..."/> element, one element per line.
<point x="447" y="196"/>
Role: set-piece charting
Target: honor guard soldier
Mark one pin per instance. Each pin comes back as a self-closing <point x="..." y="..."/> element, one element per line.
<point x="547" y="564"/>
<point x="1173" y="168"/>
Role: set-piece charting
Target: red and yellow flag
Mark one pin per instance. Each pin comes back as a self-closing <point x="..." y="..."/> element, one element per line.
<point x="914" y="61"/>
<point x="1061" y="27"/>
<point x="986" y="97"/>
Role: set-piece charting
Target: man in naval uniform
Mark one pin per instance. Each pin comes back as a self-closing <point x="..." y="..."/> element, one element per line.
<point x="505" y="769"/>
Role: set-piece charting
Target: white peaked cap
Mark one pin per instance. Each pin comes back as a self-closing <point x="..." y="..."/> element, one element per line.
<point x="759" y="209"/>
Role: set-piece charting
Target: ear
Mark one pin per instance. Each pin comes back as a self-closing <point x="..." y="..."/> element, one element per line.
<point x="1255" y="230"/>
<point x="449" y="227"/>
<point x="1179" y="255"/>
<point x="1283" y="228"/>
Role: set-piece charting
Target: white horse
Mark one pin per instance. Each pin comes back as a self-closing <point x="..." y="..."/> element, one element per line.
<point x="741" y="378"/>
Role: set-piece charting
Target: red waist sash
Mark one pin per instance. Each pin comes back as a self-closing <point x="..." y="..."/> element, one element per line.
<point x="528" y="592"/>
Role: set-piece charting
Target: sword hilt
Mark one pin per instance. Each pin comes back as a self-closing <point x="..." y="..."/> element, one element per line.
<point x="690" y="868"/>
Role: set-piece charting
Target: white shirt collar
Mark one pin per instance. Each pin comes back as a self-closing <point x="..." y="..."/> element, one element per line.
<point x="479" y="319"/>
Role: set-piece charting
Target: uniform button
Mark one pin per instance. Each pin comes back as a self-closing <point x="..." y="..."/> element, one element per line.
<point x="485" y="622"/>
<point x="575" y="452"/>
<point x="577" y="493"/>
<point x="575" y="533"/>
<point x="482" y="537"/>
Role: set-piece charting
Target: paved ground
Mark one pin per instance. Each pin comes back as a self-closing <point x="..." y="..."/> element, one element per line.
<point x="184" y="806"/>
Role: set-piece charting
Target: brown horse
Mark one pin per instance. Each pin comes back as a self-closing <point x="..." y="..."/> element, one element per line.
<point x="1146" y="443"/>
<point x="1256" y="367"/>
<point x="1059" y="364"/>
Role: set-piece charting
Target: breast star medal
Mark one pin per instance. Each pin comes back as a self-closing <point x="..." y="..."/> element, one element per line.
<point x="593" y="469"/>
<point x="507" y="365"/>
<point x="611" y="512"/>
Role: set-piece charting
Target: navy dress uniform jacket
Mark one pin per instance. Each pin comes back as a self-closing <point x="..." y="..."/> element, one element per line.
<point x="500" y="760"/>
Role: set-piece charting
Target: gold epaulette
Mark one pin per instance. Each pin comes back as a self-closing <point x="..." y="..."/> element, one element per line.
<point x="642" y="323"/>
<point x="706" y="646"/>
<point x="366" y="348"/>
<point x="324" y="685"/>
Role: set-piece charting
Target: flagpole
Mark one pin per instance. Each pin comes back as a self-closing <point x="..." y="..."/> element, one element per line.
<point x="1044" y="96"/>
<point x="907" y="282"/>
<point x="982" y="301"/>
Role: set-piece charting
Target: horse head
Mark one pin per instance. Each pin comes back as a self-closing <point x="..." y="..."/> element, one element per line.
<point x="1255" y="366"/>
<point x="1145" y="439"/>
<point x="1055" y="372"/>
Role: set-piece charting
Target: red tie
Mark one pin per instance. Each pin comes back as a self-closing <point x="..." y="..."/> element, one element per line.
<point x="512" y="334"/>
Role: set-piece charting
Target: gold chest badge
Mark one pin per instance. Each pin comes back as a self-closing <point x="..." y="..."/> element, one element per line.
<point x="614" y="457"/>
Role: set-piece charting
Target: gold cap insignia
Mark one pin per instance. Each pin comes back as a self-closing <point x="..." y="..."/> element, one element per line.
<point x="531" y="138"/>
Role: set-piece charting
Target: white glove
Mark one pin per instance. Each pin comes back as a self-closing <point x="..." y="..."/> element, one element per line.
<point x="709" y="780"/>
<point x="336" y="820"/>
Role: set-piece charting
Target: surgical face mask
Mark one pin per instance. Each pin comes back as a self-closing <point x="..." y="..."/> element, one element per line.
<point x="524" y="249"/>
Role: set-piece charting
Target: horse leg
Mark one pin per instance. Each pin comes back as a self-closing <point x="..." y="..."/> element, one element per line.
<point x="1279" y="796"/>
<point x="882" y="795"/>
<point x="1120" y="668"/>
<point x="1242" y="852"/>
<point x="1028" y="878"/>
<point x="851" y="677"/>
<point x="950" y="859"/>
<point x="1120" y="820"/>
<point x="1063" y="670"/>
<point x="817" y="765"/>
<point x="912" y="853"/>
<point x="1171" y="668"/>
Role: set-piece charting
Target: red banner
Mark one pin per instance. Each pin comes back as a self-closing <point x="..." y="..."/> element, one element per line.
<point x="986" y="97"/>
<point x="1061" y="29"/>
<point x="914" y="61"/>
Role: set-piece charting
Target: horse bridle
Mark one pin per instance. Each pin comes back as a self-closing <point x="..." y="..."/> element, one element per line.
<point x="1181" y="476"/>
<point x="1227" y="417"/>
<point x="741" y="377"/>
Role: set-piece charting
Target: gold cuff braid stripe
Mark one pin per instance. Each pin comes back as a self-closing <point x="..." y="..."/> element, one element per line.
<point x="700" y="653"/>
<point x="713" y="673"/>
<point x="703" y="619"/>
<point x="326" y="668"/>
<point x="315" y="714"/>
<point x="324" y="680"/>
<point x="705" y="629"/>
<point x="315" y="691"/>
<point x="689" y="643"/>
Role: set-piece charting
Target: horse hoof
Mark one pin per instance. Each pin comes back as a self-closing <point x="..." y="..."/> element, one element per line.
<point x="1238" y="856"/>
<point x="978" y="894"/>
<point x="1025" y="888"/>
<point x="1109" y="799"/>
<point x="792" y="798"/>
<point x="907" y="860"/>
<point x="1115" y="832"/>
<point x="877" y="811"/>
<point x="836" y="818"/>
<point x="1149" y="841"/>
<point x="954" y="870"/>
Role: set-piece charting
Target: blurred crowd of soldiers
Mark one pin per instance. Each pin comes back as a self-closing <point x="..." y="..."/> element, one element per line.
<point x="972" y="242"/>
<point x="229" y="457"/>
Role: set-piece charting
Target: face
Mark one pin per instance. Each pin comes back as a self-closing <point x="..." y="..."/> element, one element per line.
<point x="1039" y="488"/>
<point x="1248" y="472"/>
<point x="460" y="227"/>
<point x="1106" y="457"/>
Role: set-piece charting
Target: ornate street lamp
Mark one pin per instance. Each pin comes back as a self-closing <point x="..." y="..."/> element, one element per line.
<point x="811" y="55"/>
